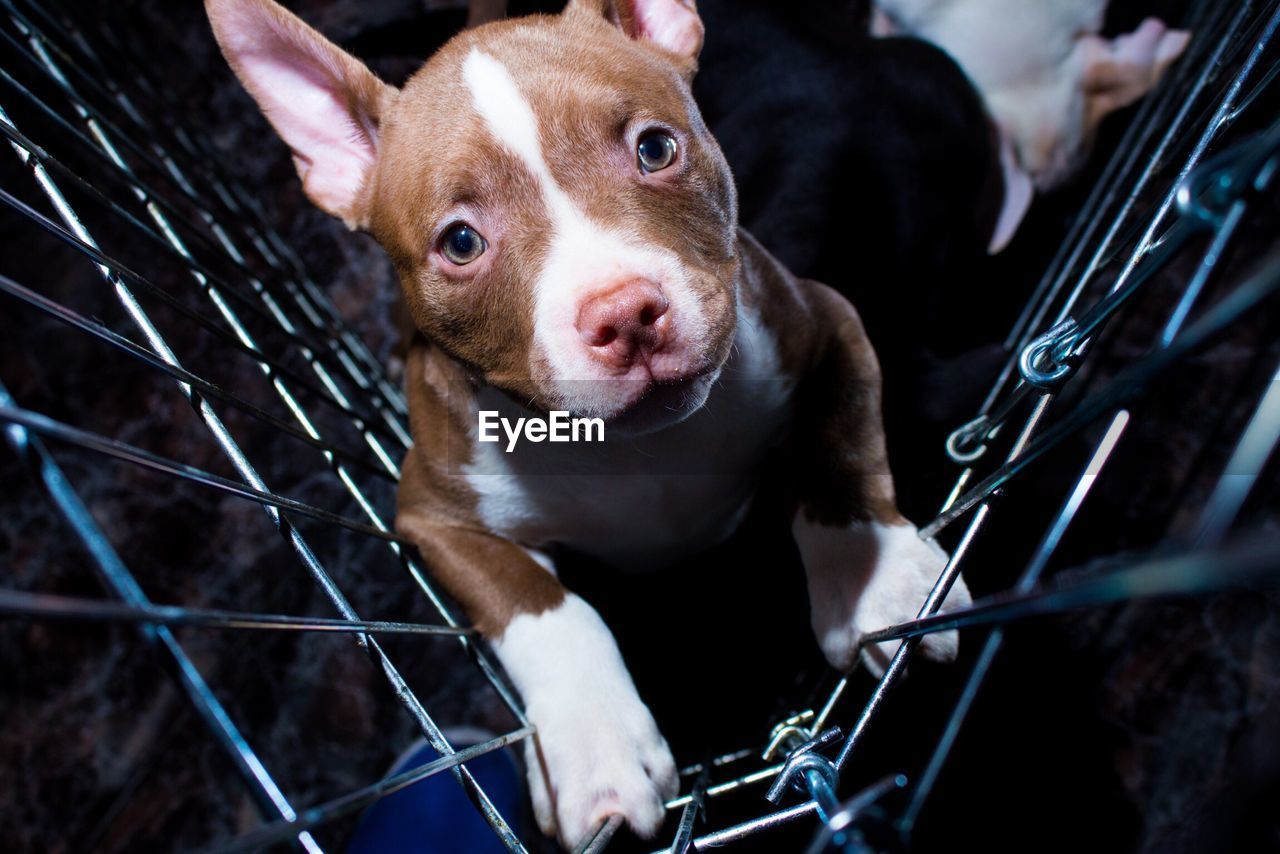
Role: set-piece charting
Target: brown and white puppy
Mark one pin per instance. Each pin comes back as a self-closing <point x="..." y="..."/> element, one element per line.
<point x="1048" y="77"/>
<point x="565" y="231"/>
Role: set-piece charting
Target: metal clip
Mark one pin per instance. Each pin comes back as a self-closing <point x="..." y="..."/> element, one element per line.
<point x="1046" y="361"/>
<point x="805" y="758"/>
<point x="967" y="442"/>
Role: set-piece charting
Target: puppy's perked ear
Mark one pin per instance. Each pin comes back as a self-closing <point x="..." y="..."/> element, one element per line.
<point x="672" y="25"/>
<point x="323" y="102"/>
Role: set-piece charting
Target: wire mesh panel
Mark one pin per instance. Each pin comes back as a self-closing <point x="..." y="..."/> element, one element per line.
<point x="173" y="374"/>
<point x="187" y="291"/>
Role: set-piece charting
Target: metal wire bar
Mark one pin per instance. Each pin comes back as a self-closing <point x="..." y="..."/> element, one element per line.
<point x="1191" y="293"/>
<point x="1069" y="339"/>
<point x="280" y="249"/>
<point x="1225" y="107"/>
<point x="598" y="841"/>
<point x="309" y="299"/>
<point x="743" y="830"/>
<point x="887" y="681"/>
<point x="992" y="646"/>
<point x="695" y="808"/>
<point x="97" y="330"/>
<point x="808" y="770"/>
<point x="119" y="271"/>
<point x="306" y="346"/>
<point x="17" y="603"/>
<point x="718" y="761"/>
<point x="1248" y="171"/>
<point x="104" y="133"/>
<point x="898" y="664"/>
<point x="1152" y="118"/>
<point x="1246" y="297"/>
<point x="116" y="576"/>
<point x="995" y="639"/>
<point x="233" y="452"/>
<point x="841" y="831"/>
<point x="478" y="656"/>
<point x="1212" y="571"/>
<point x="1227" y="103"/>
<point x="215" y="294"/>
<point x="357" y="800"/>
<point x="788" y="815"/>
<point x="132" y="183"/>
<point x="1257" y="444"/>
<point x="760" y="776"/>
<point x="143" y="192"/>
<point x="145" y="459"/>
<point x="1196" y="574"/>
<point x="1182" y="146"/>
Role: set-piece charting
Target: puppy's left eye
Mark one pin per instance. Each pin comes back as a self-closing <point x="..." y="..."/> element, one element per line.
<point x="656" y="151"/>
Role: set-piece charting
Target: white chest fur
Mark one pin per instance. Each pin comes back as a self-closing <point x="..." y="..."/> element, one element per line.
<point x="641" y="501"/>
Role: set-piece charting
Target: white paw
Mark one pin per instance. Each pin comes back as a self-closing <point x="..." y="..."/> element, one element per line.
<point x="597" y="751"/>
<point x="869" y="576"/>
<point x="593" y="759"/>
<point x="906" y="570"/>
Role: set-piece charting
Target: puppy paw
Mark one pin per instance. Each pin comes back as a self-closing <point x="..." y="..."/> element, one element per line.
<point x="869" y="576"/>
<point x="1119" y="71"/>
<point x="905" y="572"/>
<point x="592" y="759"/>
<point x="597" y="751"/>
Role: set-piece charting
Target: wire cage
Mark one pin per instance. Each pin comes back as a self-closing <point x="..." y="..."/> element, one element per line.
<point x="238" y="389"/>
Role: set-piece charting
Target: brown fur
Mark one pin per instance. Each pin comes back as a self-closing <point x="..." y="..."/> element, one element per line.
<point x="839" y="465"/>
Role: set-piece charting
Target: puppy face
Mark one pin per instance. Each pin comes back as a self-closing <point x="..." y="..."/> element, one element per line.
<point x="561" y="219"/>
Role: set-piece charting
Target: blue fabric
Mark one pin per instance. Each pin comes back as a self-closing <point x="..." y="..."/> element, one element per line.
<point x="435" y="816"/>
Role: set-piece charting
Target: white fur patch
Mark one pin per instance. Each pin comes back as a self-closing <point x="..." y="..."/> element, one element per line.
<point x="756" y="361"/>
<point x="583" y="256"/>
<point x="506" y="113"/>
<point x="598" y="750"/>
<point x="866" y="577"/>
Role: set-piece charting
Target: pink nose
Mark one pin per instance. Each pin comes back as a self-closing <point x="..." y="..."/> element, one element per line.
<point x="624" y="322"/>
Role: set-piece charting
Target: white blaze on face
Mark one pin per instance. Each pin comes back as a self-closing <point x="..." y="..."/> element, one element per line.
<point x="583" y="256"/>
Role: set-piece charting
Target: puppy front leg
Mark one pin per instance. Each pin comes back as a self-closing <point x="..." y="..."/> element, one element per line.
<point x="865" y="563"/>
<point x="597" y="751"/>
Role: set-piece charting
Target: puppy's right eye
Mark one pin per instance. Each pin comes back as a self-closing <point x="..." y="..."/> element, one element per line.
<point x="462" y="244"/>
